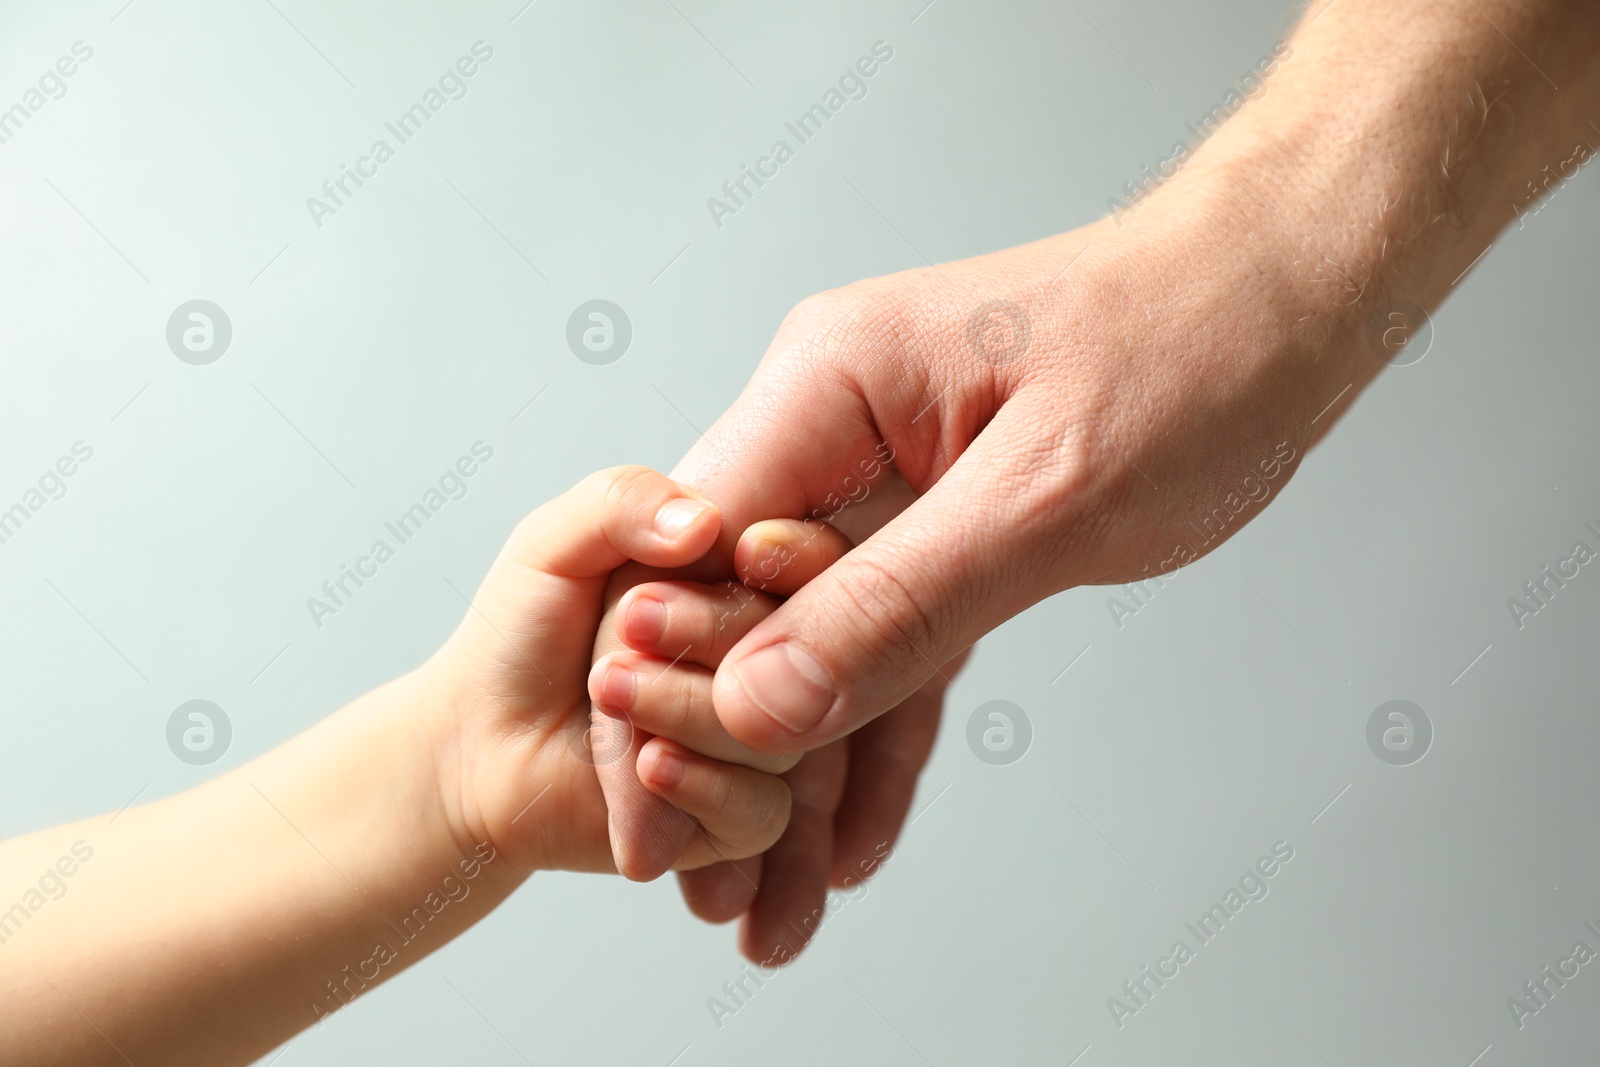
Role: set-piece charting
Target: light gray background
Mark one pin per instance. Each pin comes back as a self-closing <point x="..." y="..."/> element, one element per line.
<point x="1222" y="718"/>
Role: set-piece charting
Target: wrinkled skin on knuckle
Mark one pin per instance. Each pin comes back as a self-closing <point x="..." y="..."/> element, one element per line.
<point x="847" y="331"/>
<point x="1039" y="506"/>
<point x="769" y="808"/>
<point x="892" y="624"/>
<point x="774" y="764"/>
<point x="782" y="808"/>
<point x="678" y="704"/>
<point x="899" y="344"/>
<point x="864" y="326"/>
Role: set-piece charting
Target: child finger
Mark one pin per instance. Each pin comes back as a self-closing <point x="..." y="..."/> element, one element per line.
<point x="613" y="516"/>
<point x="744" y="811"/>
<point x="689" y="621"/>
<point x="673" y="701"/>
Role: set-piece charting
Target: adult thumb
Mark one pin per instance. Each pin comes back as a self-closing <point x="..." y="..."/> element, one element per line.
<point x="980" y="545"/>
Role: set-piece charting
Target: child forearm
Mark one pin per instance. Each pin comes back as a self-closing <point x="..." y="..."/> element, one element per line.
<point x="247" y="907"/>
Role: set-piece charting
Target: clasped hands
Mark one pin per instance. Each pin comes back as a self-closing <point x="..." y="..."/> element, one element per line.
<point x="630" y="769"/>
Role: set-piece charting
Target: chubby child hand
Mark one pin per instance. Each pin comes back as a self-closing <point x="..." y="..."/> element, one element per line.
<point x="327" y="865"/>
<point x="511" y="737"/>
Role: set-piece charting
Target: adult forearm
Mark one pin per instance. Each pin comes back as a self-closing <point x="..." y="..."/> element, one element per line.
<point x="1397" y="139"/>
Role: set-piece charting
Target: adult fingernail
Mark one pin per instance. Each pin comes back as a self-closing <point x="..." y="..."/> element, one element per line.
<point x="766" y="562"/>
<point x="678" y="514"/>
<point x="647" y="620"/>
<point x="617" y="688"/>
<point x="667" y="770"/>
<point x="787" y="683"/>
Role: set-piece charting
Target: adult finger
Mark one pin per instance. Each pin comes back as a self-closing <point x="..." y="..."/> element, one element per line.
<point x="723" y="891"/>
<point x="886" y="759"/>
<point x="869" y="631"/>
<point x="792" y="902"/>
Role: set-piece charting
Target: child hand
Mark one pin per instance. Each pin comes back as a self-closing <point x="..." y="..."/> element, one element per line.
<point x="691" y="626"/>
<point x="334" y="861"/>
<point x="511" y="737"/>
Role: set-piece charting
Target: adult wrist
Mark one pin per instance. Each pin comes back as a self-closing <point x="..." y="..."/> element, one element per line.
<point x="1224" y="247"/>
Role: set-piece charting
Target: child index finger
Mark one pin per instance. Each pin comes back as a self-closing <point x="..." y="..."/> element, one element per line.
<point x="616" y="515"/>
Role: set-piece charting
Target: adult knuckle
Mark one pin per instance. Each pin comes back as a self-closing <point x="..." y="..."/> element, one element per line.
<point x="773" y="813"/>
<point x="855" y="327"/>
<point x="771" y="764"/>
<point x="1067" y="483"/>
<point x="721" y="798"/>
<point x="890" y="612"/>
<point x="1060" y="466"/>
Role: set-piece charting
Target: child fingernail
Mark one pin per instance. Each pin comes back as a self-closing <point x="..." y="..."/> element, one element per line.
<point x="667" y="771"/>
<point x="677" y="515"/>
<point x="647" y="619"/>
<point x="617" y="688"/>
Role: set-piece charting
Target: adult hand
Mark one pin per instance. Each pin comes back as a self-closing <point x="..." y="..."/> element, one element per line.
<point x="849" y="798"/>
<point x="1115" y="402"/>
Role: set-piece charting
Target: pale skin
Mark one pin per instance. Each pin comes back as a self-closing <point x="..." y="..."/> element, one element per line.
<point x="1167" y="357"/>
<point x="209" y="927"/>
<point x="1221" y="323"/>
